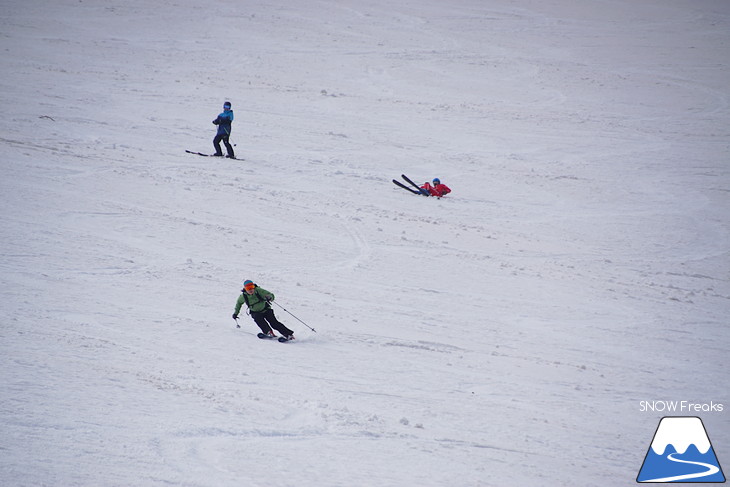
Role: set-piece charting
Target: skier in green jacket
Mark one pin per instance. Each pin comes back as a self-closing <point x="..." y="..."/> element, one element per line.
<point x="257" y="300"/>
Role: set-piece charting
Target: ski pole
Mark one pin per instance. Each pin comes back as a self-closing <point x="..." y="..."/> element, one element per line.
<point x="229" y="139"/>
<point x="237" y="325"/>
<point x="300" y="321"/>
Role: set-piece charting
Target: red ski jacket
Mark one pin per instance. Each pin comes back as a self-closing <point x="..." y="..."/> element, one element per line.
<point x="439" y="190"/>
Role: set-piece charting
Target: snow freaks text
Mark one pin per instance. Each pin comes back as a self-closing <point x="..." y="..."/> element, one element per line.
<point x="680" y="407"/>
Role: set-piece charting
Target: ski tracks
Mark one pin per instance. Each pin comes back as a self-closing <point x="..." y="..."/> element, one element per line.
<point x="711" y="470"/>
<point x="362" y="250"/>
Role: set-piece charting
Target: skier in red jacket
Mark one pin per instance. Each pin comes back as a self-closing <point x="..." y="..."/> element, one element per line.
<point x="437" y="189"/>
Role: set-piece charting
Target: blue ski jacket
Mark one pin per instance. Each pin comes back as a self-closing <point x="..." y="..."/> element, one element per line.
<point x="223" y="122"/>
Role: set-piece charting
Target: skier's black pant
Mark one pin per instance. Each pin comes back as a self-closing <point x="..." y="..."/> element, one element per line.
<point x="217" y="145"/>
<point x="266" y="318"/>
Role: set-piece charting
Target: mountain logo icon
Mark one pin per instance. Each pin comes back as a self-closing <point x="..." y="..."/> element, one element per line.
<point x="680" y="452"/>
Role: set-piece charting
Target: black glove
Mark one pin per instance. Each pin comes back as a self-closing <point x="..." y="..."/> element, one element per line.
<point x="269" y="299"/>
<point x="216" y="121"/>
<point x="235" y="316"/>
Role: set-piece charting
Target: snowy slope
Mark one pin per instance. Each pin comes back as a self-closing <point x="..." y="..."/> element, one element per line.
<point x="503" y="335"/>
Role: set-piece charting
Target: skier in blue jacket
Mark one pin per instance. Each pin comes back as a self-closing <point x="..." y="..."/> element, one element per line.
<point x="223" y="122"/>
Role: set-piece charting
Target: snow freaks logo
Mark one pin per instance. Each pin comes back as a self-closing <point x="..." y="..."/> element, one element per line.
<point x="680" y="452"/>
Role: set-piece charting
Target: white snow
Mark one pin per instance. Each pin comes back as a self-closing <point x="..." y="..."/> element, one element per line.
<point x="503" y="335"/>
<point x="680" y="432"/>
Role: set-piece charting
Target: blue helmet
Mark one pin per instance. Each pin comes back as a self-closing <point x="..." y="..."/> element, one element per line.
<point x="227" y="105"/>
<point x="436" y="181"/>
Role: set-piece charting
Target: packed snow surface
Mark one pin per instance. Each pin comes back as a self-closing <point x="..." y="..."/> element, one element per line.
<point x="504" y="335"/>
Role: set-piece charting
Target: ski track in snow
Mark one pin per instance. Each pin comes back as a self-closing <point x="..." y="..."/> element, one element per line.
<point x="503" y="335"/>
<point x="711" y="470"/>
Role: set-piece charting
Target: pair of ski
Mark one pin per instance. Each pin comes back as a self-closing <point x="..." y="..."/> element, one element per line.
<point x="417" y="190"/>
<point x="264" y="336"/>
<point x="210" y="155"/>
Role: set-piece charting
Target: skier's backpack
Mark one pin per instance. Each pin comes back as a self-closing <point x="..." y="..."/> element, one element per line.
<point x="256" y="292"/>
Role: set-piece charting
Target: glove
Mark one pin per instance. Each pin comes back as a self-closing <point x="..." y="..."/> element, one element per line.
<point x="216" y="121"/>
<point x="235" y="316"/>
<point x="269" y="299"/>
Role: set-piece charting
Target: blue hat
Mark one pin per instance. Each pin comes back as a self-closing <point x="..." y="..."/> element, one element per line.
<point x="436" y="181"/>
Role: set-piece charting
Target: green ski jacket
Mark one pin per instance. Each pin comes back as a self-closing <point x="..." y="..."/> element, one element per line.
<point x="256" y="302"/>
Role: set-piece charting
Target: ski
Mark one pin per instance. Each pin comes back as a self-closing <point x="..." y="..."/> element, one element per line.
<point x="211" y="155"/>
<point x="198" y="153"/>
<point x="420" y="191"/>
<point x="264" y="336"/>
<point x="401" y="185"/>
